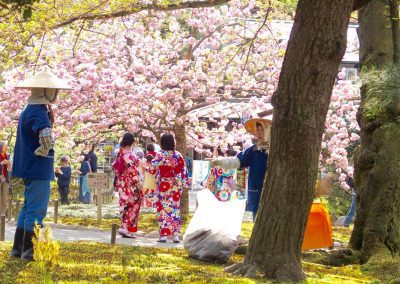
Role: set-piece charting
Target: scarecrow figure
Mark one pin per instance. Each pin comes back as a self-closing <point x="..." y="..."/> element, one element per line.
<point x="34" y="157"/>
<point x="255" y="158"/>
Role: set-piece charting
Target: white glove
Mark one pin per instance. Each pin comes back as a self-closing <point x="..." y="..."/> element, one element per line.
<point x="226" y="163"/>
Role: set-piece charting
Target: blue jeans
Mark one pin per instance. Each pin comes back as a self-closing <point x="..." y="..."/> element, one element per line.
<point x="37" y="196"/>
<point x="352" y="211"/>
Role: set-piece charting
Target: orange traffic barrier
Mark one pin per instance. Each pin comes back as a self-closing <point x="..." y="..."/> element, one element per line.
<point x="319" y="229"/>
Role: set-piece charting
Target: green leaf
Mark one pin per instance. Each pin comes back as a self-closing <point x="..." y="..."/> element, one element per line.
<point x="27" y="13"/>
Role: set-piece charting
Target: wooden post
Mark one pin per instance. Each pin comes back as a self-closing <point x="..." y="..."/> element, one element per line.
<point x="113" y="233"/>
<point x="56" y="211"/>
<point x="17" y="205"/>
<point x="99" y="205"/>
<point x="2" y="227"/>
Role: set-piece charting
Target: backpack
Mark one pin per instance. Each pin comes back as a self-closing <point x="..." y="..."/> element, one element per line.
<point x="119" y="165"/>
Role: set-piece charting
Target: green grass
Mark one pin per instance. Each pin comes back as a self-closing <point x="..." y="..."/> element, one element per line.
<point x="102" y="263"/>
<point x="383" y="266"/>
<point x="119" y="264"/>
<point x="88" y="262"/>
<point x="341" y="234"/>
<point x="147" y="222"/>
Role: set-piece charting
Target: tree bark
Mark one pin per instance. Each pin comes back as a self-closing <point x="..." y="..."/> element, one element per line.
<point x="377" y="168"/>
<point x="180" y="137"/>
<point x="315" y="49"/>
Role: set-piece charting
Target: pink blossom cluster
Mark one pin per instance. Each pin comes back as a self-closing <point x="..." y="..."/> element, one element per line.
<point x="152" y="72"/>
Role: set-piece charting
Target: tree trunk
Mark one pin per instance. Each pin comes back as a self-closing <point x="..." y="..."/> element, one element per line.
<point x="377" y="168"/>
<point x="315" y="49"/>
<point x="180" y="137"/>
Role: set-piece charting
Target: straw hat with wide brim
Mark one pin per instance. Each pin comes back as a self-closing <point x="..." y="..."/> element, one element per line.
<point x="250" y="124"/>
<point x="44" y="80"/>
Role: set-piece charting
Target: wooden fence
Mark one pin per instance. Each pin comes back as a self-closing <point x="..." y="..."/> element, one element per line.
<point x="100" y="197"/>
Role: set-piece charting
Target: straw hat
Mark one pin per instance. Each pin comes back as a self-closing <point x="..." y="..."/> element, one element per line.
<point x="250" y="124"/>
<point x="44" y="80"/>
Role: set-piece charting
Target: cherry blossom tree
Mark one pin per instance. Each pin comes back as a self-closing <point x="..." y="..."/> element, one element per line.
<point x="149" y="72"/>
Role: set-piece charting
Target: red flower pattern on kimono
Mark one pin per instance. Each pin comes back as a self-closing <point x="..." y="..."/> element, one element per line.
<point x="130" y="194"/>
<point x="171" y="179"/>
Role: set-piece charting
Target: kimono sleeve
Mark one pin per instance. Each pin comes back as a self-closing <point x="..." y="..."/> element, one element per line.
<point x="157" y="160"/>
<point x="245" y="157"/>
<point x="131" y="160"/>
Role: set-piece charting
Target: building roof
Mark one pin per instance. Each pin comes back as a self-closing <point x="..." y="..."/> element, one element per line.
<point x="232" y="109"/>
<point x="283" y="29"/>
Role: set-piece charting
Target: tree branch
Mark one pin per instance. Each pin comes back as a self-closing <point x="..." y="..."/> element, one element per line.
<point x="40" y="51"/>
<point x="139" y="8"/>
<point x="255" y="36"/>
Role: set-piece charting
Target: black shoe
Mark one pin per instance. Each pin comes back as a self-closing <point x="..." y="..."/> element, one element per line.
<point x="176" y="241"/>
<point x="161" y="241"/>
<point x="27" y="249"/>
<point x="18" y="243"/>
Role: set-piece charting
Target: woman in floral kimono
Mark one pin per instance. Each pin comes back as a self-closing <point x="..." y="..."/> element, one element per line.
<point x="171" y="178"/>
<point x="127" y="184"/>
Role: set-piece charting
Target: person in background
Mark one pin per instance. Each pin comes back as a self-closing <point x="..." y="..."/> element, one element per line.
<point x="63" y="175"/>
<point x="4" y="177"/>
<point x="128" y="186"/>
<point x="352" y="212"/>
<point x="92" y="159"/>
<point x="83" y="183"/>
<point x="255" y="158"/>
<point x="171" y="179"/>
<point x="92" y="156"/>
<point x="151" y="150"/>
<point x="137" y="150"/>
<point x="33" y="159"/>
<point x="188" y="161"/>
<point x="149" y="183"/>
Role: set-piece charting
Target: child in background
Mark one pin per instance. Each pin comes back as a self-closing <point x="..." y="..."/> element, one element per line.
<point x="63" y="175"/>
<point x="5" y="166"/>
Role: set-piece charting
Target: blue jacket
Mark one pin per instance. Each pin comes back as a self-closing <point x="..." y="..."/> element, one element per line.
<point x="93" y="161"/>
<point x="257" y="161"/>
<point x="65" y="178"/>
<point x="84" y="168"/>
<point x="25" y="163"/>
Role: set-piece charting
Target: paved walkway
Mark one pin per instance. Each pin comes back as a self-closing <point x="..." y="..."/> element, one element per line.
<point x="66" y="233"/>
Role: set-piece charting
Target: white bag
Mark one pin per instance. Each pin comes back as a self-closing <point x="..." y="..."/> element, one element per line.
<point x="213" y="232"/>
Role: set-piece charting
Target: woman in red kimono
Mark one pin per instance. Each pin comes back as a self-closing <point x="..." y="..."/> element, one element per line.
<point x="127" y="184"/>
<point x="171" y="179"/>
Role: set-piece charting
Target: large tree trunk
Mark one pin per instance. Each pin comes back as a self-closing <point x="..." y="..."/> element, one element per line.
<point x="315" y="49"/>
<point x="377" y="166"/>
<point x="180" y="137"/>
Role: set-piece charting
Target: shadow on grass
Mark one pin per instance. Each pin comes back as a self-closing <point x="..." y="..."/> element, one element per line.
<point x="12" y="267"/>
